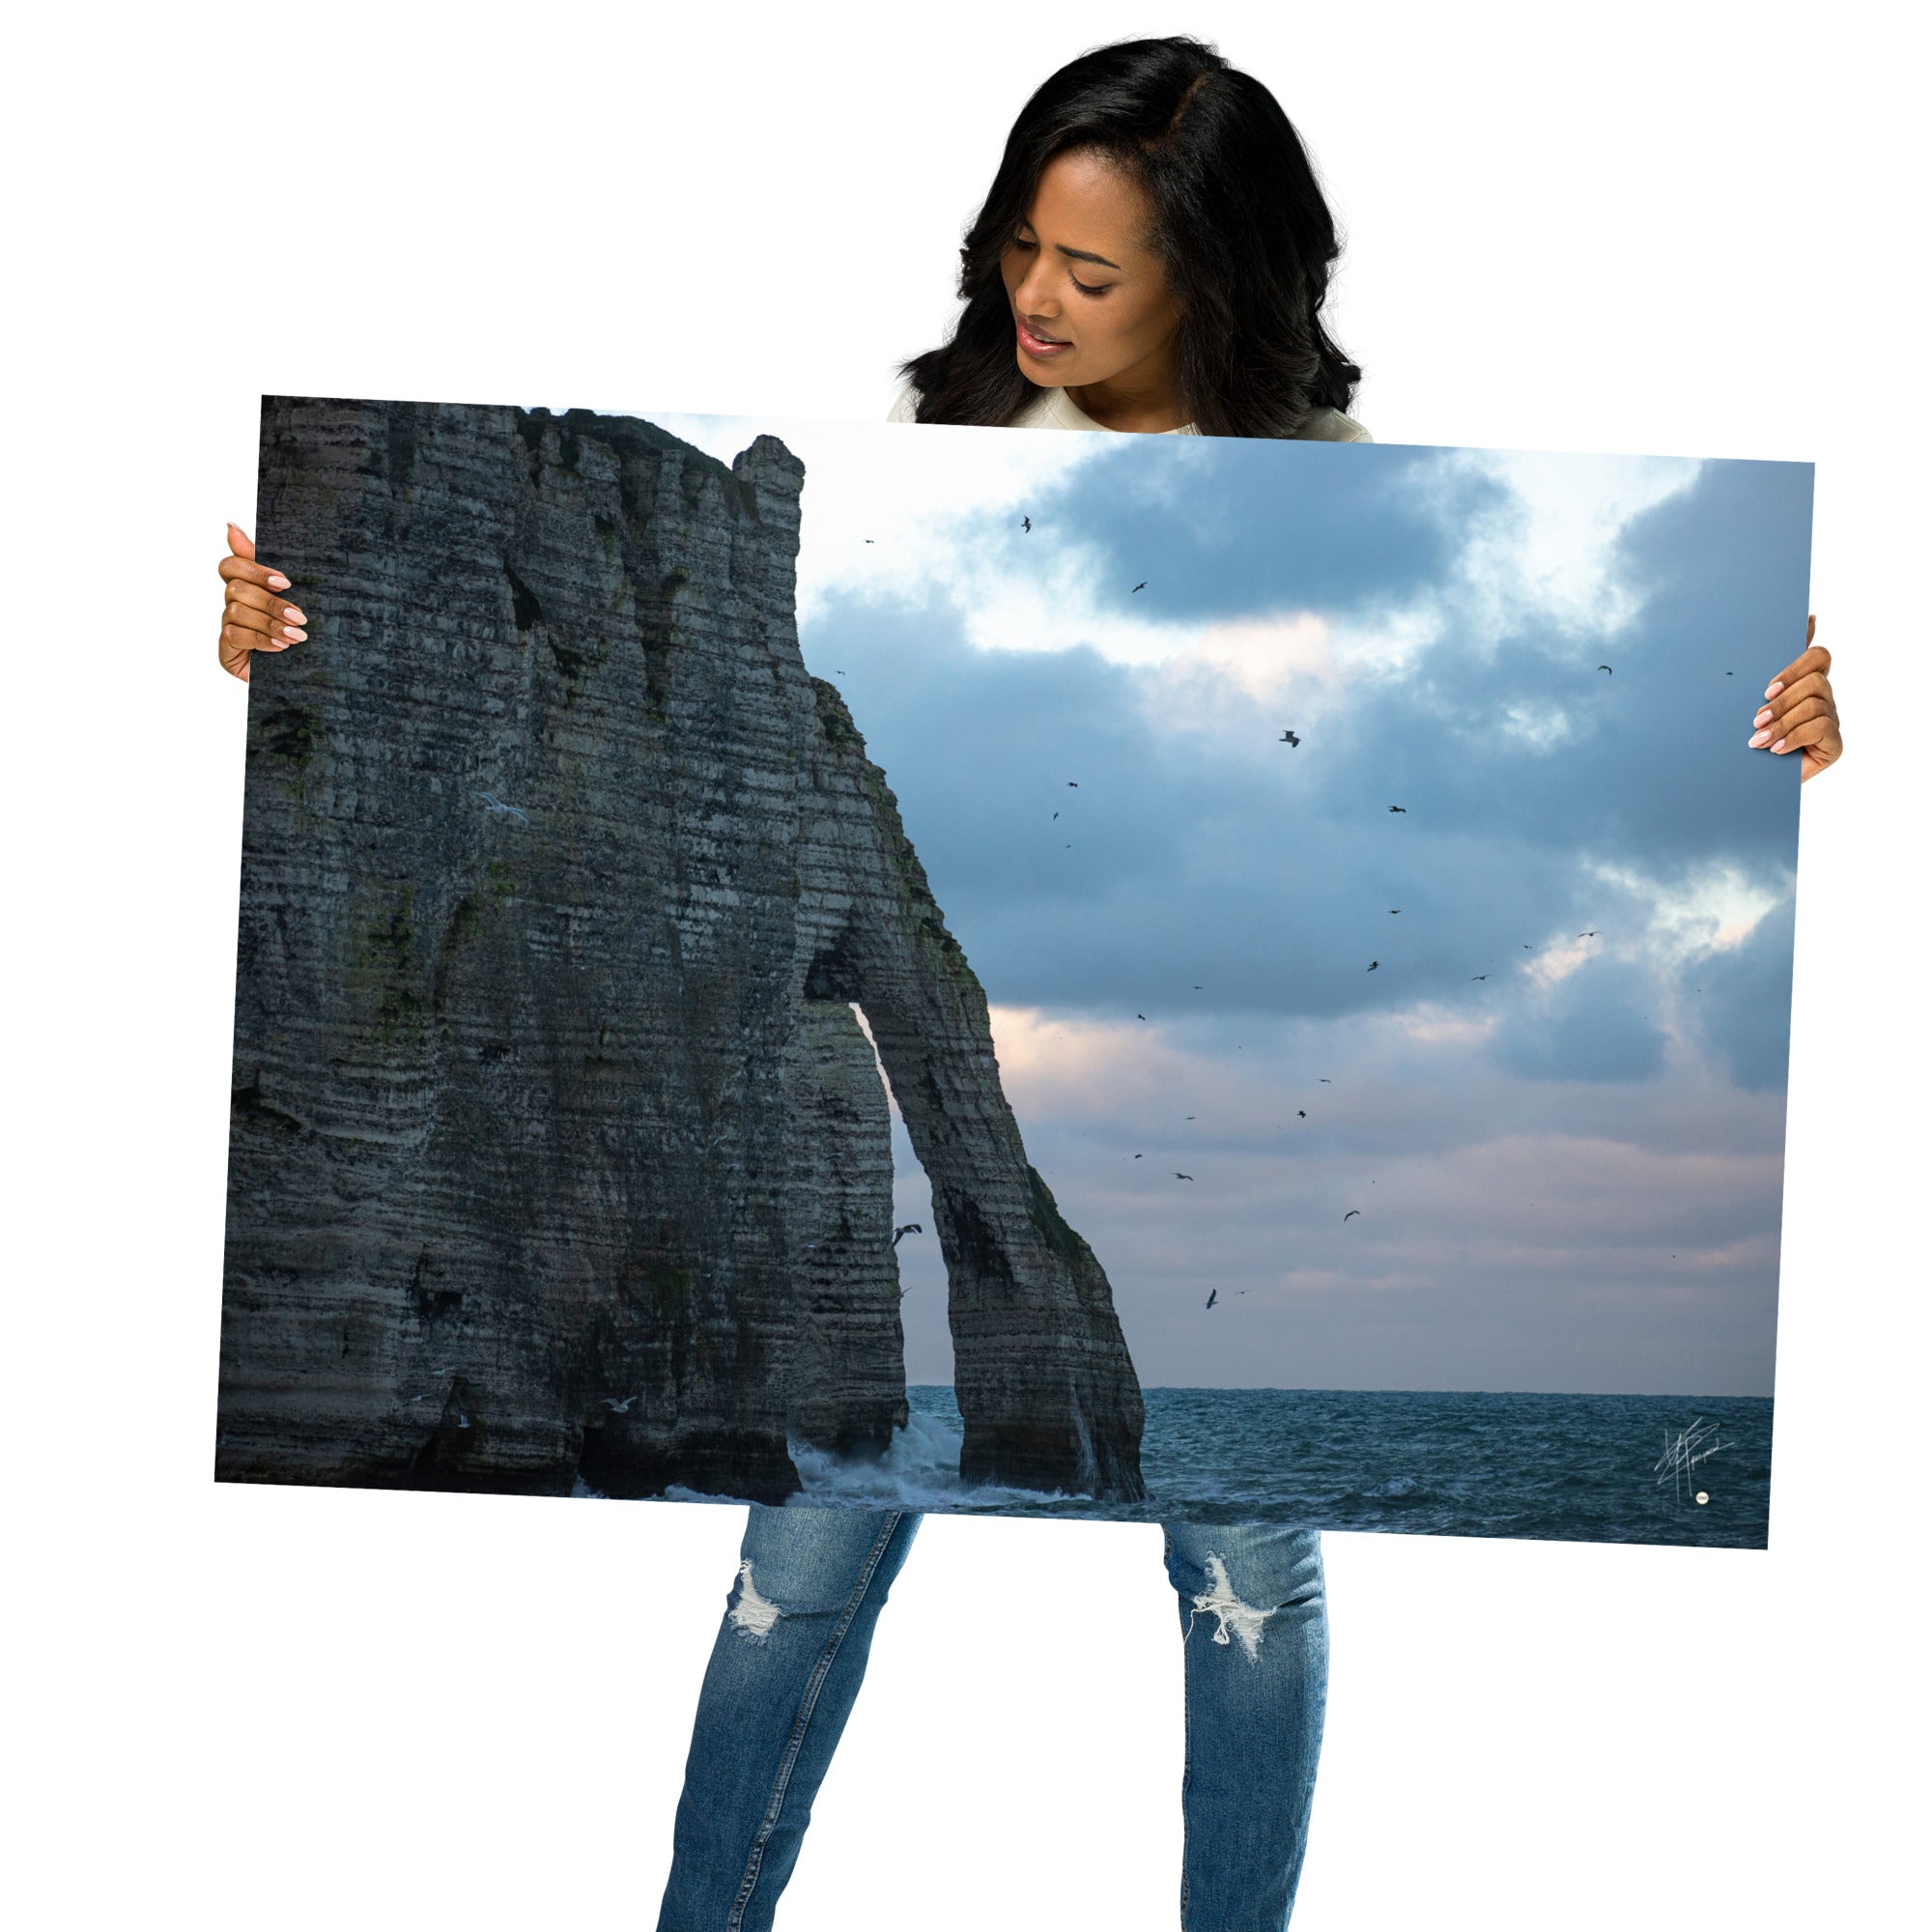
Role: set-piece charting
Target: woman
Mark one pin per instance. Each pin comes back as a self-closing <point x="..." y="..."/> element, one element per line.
<point x="1152" y="256"/>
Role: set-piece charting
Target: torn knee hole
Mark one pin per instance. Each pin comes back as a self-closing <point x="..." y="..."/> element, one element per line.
<point x="752" y="1615"/>
<point x="1241" y="1622"/>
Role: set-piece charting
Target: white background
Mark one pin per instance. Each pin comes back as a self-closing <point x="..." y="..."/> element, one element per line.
<point x="1685" y="228"/>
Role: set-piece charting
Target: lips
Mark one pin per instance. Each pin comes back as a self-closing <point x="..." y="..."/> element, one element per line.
<point x="1035" y="343"/>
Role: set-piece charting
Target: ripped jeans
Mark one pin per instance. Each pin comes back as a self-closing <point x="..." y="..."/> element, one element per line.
<point x="791" y="1650"/>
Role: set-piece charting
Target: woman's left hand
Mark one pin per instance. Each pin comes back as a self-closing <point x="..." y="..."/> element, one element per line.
<point x="1799" y="713"/>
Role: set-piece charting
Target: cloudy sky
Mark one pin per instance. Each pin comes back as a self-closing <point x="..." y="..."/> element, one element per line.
<point x="1558" y="1099"/>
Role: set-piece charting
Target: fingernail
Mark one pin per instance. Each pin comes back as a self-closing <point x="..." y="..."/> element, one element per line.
<point x="276" y="581"/>
<point x="295" y="616"/>
<point x="294" y="636"/>
<point x="1763" y="737"/>
<point x="1779" y="745"/>
<point x="1763" y="717"/>
<point x="1771" y="690"/>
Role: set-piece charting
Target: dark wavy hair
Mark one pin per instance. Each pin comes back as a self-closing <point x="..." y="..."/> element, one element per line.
<point x="1239" y="226"/>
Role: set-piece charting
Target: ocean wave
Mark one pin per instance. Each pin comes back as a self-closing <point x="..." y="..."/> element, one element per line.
<point x="919" y="1470"/>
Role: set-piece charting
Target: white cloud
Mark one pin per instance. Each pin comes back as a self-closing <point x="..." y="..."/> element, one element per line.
<point x="1551" y="550"/>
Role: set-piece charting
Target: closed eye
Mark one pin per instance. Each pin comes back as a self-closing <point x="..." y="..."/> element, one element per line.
<point x="1084" y="289"/>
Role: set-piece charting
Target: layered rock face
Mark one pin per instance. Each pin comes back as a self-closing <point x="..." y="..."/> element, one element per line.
<point x="557" y="1147"/>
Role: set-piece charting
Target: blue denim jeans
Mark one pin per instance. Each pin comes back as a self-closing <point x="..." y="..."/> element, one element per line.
<point x="791" y="1650"/>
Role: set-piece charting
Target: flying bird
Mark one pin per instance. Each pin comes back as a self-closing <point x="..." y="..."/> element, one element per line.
<point x="1587" y="935"/>
<point x="910" y="1227"/>
<point x="617" y="1408"/>
<point x="868" y="540"/>
<point x="1142" y="586"/>
<point x="1392" y="911"/>
<point x="1372" y="964"/>
<point x="1074" y="782"/>
<point x="1138" y="1157"/>
<point x="495" y="804"/>
<point x="1325" y="1080"/>
<point x="1301" y="1113"/>
<point x="1056" y="814"/>
<point x="1026" y="523"/>
<point x="1211" y="1293"/>
<point x="1140" y="1016"/>
<point x="1287" y="738"/>
<point x="1606" y="668"/>
<point x="1350" y="1216"/>
<point x="1179" y="1176"/>
<point x="1398" y="808"/>
<point x="1474" y="977"/>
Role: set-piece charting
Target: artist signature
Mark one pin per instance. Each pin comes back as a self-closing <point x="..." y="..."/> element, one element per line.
<point x="1683" y="1452"/>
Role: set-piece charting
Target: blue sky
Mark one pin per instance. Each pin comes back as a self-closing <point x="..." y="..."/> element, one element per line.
<point x="1568" y="1169"/>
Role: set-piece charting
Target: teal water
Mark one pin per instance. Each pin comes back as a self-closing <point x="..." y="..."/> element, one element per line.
<point x="1573" y="1467"/>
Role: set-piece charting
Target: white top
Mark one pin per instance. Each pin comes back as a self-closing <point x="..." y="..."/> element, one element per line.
<point x="1055" y="408"/>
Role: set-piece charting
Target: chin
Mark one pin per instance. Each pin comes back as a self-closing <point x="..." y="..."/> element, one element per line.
<point x="1038" y="381"/>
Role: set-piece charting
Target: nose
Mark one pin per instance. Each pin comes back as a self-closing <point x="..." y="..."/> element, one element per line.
<point x="1033" y="302"/>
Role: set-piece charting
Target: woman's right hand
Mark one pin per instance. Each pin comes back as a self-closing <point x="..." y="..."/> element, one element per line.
<point x="253" y="618"/>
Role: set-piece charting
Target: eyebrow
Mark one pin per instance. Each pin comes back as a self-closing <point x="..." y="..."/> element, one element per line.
<point x="1079" y="254"/>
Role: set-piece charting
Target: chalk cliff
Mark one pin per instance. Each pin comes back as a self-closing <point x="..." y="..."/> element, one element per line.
<point x="557" y="1147"/>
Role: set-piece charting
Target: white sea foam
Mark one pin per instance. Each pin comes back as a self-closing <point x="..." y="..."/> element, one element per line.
<point x="919" y="1470"/>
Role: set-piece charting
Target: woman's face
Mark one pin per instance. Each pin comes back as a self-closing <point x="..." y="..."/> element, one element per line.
<point x="1078" y="275"/>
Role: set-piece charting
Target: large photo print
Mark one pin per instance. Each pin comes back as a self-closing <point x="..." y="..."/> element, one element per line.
<point x="1143" y="977"/>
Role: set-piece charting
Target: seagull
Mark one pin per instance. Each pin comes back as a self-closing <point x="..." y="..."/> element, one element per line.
<point x="1587" y="935"/>
<point x="1394" y="910"/>
<point x="1139" y="1156"/>
<point x="1350" y="1216"/>
<point x="1026" y="523"/>
<point x="617" y="1408"/>
<point x="1398" y="808"/>
<point x="495" y="804"/>
<point x="1140" y="1016"/>
<point x="1056" y="814"/>
<point x="1211" y="1293"/>
<point x="1301" y="1113"/>
<point x="1287" y="738"/>
<point x="1179" y="1176"/>
<point x="1141" y="585"/>
<point x="1606" y="668"/>
<point x="868" y="540"/>
<point x="1474" y="977"/>
<point x="1325" y="1080"/>
<point x="910" y="1227"/>
<point x="1372" y="964"/>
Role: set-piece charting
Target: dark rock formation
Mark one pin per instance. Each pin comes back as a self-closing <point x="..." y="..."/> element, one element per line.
<point x="556" y="1148"/>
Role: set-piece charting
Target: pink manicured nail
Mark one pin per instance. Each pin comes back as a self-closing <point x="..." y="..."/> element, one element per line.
<point x="276" y="581"/>
<point x="1771" y="690"/>
<point x="1763" y="717"/>
<point x="1779" y="745"/>
<point x="1763" y="737"/>
<point x="294" y="636"/>
<point x="294" y="617"/>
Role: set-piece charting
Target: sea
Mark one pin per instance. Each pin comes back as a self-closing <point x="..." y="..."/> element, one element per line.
<point x="1590" y="1468"/>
